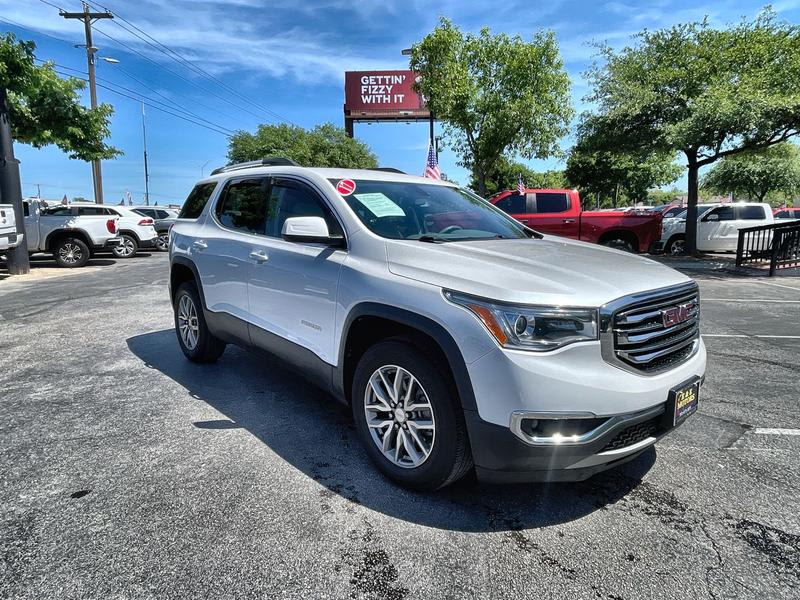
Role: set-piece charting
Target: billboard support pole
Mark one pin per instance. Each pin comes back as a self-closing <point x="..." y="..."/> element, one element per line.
<point x="348" y="126"/>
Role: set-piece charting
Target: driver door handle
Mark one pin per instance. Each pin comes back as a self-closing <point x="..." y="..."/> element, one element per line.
<point x="569" y="220"/>
<point x="259" y="256"/>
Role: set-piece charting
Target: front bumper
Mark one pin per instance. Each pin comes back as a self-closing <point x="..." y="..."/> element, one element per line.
<point x="572" y="383"/>
<point x="657" y="247"/>
<point x="502" y="457"/>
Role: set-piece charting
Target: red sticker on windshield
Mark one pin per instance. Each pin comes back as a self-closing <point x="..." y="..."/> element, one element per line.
<point x="346" y="187"/>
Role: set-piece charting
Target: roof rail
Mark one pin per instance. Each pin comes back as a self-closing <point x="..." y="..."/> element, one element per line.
<point x="270" y="161"/>
<point x="387" y="170"/>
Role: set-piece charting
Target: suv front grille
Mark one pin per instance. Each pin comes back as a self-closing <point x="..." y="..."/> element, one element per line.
<point x="634" y="434"/>
<point x="653" y="332"/>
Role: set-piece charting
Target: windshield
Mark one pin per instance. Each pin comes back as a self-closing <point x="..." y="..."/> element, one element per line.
<point x="701" y="209"/>
<point x="401" y="210"/>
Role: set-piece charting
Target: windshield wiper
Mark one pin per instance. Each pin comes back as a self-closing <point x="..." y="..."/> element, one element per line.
<point x="430" y="239"/>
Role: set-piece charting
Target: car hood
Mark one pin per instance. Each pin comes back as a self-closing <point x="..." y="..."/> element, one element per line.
<point x="551" y="270"/>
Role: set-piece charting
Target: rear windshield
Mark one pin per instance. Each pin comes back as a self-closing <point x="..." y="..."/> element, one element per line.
<point x="194" y="204"/>
<point x="403" y="210"/>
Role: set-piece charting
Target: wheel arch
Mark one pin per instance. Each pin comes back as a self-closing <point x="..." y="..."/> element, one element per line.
<point x="370" y="322"/>
<point x="623" y="234"/>
<point x="131" y="233"/>
<point x="182" y="270"/>
<point x="54" y="236"/>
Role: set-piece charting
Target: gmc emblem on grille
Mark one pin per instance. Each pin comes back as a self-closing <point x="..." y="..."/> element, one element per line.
<point x="678" y="314"/>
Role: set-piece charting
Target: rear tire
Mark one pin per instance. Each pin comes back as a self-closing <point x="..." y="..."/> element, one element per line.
<point x="194" y="337"/>
<point x="128" y="248"/>
<point x="421" y="448"/>
<point x="676" y="245"/>
<point x="619" y="243"/>
<point x="71" y="253"/>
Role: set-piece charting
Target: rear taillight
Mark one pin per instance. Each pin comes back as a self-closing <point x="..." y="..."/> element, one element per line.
<point x="111" y="225"/>
<point x="146" y="222"/>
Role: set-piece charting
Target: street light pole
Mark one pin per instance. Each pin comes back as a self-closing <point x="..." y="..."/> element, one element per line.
<point x="146" y="174"/>
<point x="88" y="17"/>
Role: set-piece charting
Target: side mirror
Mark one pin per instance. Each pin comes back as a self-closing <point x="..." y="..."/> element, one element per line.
<point x="312" y="230"/>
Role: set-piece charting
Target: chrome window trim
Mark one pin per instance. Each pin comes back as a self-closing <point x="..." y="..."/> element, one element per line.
<point x="612" y="425"/>
<point x="608" y="310"/>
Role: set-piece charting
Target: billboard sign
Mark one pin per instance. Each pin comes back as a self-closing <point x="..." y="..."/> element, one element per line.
<point x="382" y="95"/>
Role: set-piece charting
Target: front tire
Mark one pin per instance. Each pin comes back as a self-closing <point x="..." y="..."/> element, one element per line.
<point x="195" y="339"/>
<point x="128" y="248"/>
<point x="71" y="253"/>
<point x="162" y="241"/>
<point x="408" y="416"/>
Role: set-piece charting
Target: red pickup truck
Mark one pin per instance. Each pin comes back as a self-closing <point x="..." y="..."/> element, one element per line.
<point x="559" y="212"/>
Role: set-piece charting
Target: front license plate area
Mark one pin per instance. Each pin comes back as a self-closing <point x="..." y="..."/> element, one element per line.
<point x="682" y="401"/>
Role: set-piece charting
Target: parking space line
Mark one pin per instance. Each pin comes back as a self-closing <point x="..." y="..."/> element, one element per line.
<point x="760" y="301"/>
<point x="747" y="335"/>
<point x="780" y="285"/>
<point x="775" y="431"/>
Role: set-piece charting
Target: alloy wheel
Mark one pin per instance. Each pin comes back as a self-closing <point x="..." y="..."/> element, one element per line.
<point x="162" y="242"/>
<point x="70" y="253"/>
<point x="125" y="249"/>
<point x="399" y="416"/>
<point x="188" y="326"/>
<point x="677" y="247"/>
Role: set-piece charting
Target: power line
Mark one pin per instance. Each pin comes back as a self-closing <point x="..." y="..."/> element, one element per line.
<point x="148" y="102"/>
<point x="177" y="107"/>
<point x="173" y="55"/>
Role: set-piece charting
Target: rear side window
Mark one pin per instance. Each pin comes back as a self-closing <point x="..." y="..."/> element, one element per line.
<point x="59" y="211"/>
<point x="513" y="204"/>
<point x="162" y="214"/>
<point x="196" y="201"/>
<point x="724" y="213"/>
<point x="782" y="214"/>
<point x="551" y="202"/>
<point x="243" y="205"/>
<point x="750" y="213"/>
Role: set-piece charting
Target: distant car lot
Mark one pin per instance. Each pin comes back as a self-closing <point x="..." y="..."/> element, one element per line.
<point x="129" y="472"/>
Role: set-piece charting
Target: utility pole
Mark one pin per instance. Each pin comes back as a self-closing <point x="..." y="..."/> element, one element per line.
<point x="88" y="17"/>
<point x="146" y="174"/>
<point x="11" y="189"/>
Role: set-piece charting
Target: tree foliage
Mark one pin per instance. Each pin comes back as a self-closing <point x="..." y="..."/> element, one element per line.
<point x="706" y="93"/>
<point x="757" y="173"/>
<point x="497" y="95"/>
<point x="505" y="174"/>
<point x="323" y="146"/>
<point x="597" y="169"/>
<point x="45" y="109"/>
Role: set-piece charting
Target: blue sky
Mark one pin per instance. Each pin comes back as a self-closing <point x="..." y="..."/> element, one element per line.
<point x="288" y="57"/>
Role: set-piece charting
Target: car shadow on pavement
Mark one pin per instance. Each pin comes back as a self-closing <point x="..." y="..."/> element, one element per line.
<point x="315" y="434"/>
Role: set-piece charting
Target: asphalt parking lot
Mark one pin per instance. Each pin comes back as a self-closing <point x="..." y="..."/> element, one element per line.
<point x="128" y="472"/>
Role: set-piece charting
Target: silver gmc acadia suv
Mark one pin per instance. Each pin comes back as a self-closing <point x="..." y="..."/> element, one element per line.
<point x="460" y="338"/>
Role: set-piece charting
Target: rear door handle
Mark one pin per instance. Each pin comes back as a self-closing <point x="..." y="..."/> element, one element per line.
<point x="199" y="245"/>
<point x="569" y="220"/>
<point x="259" y="256"/>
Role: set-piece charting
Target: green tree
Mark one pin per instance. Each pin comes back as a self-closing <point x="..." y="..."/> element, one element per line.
<point x="706" y="93"/>
<point x="757" y="173"/>
<point x="39" y="108"/>
<point x="505" y="174"/>
<point x="599" y="169"/>
<point x="497" y="95"/>
<point x="45" y="109"/>
<point x="323" y="146"/>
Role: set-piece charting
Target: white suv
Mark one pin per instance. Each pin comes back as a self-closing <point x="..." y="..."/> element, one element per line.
<point x="136" y="231"/>
<point x="459" y="337"/>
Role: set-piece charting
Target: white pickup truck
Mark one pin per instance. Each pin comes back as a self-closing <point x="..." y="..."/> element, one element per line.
<point x="9" y="236"/>
<point x="69" y="237"/>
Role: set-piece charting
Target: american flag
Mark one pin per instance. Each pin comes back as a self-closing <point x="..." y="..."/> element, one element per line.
<point x="432" y="165"/>
<point x="520" y="186"/>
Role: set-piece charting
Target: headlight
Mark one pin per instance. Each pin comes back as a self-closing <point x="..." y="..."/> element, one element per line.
<point x="535" y="328"/>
